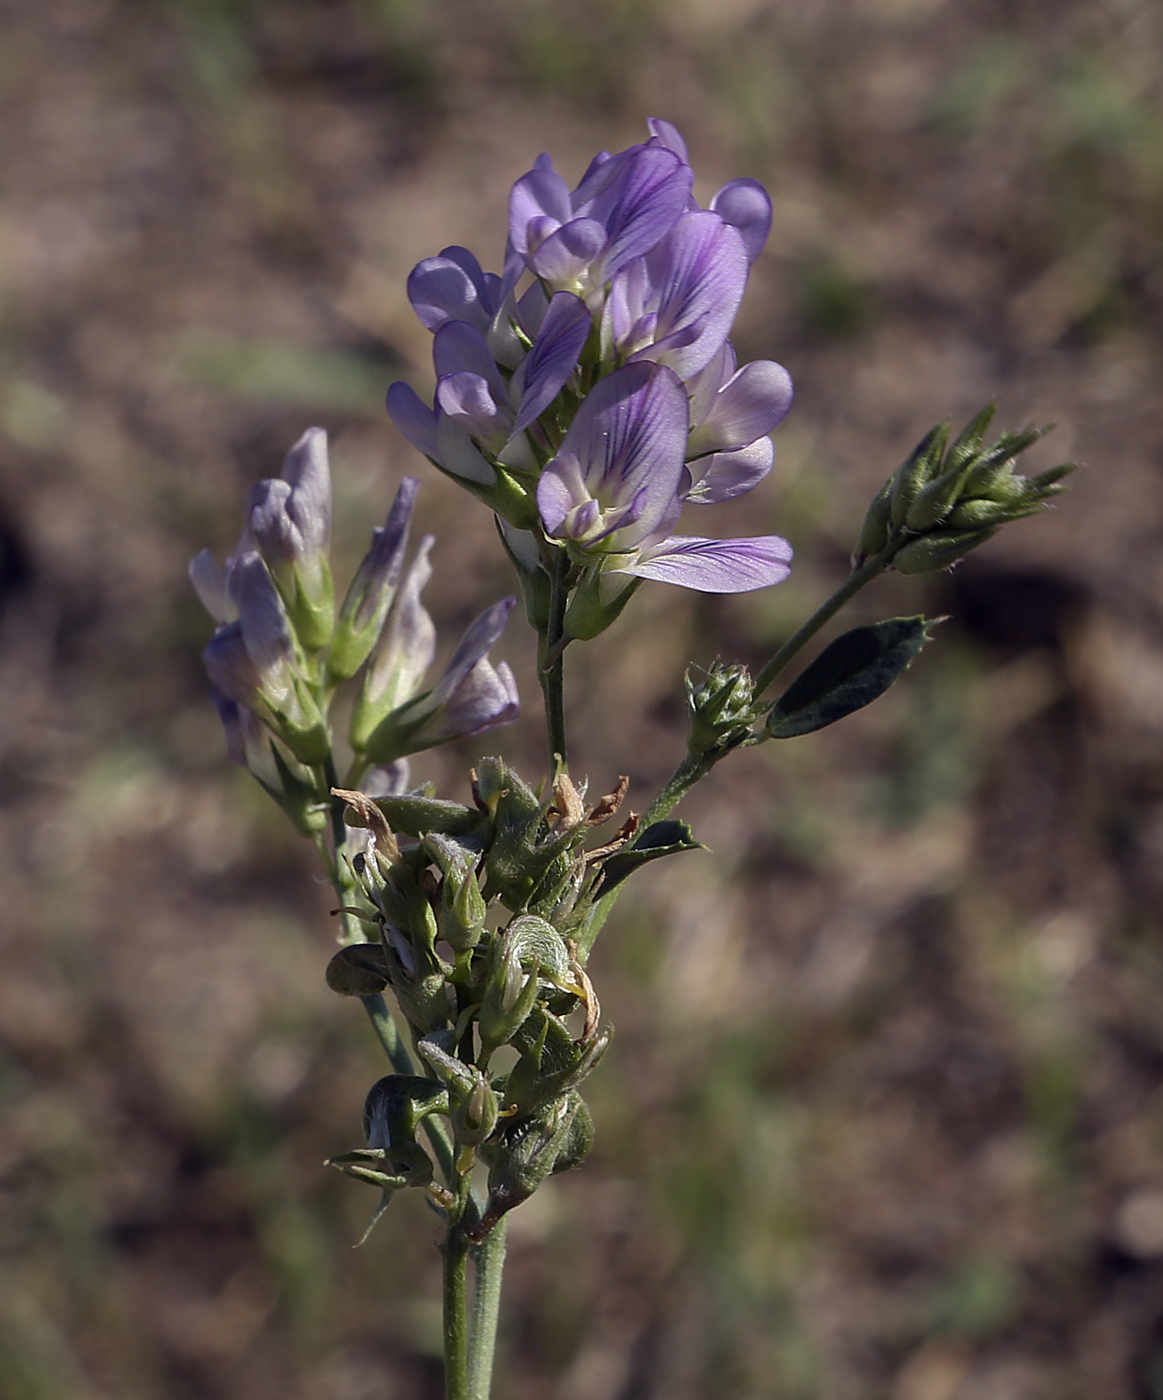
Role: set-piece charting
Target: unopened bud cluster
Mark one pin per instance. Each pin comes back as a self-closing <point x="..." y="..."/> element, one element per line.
<point x="946" y="500"/>
<point x="282" y="649"/>
<point x="477" y="913"/>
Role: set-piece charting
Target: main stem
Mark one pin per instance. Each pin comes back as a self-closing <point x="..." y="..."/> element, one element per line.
<point x="489" y="1264"/>
<point x="456" y="1340"/>
<point x="552" y="659"/>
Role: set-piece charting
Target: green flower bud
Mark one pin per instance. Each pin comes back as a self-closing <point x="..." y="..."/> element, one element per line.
<point x="938" y="550"/>
<point x="721" y="709"/>
<point x="874" y="533"/>
<point x="917" y="471"/>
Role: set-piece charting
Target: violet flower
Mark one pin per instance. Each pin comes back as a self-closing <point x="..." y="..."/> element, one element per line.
<point x="615" y="489"/>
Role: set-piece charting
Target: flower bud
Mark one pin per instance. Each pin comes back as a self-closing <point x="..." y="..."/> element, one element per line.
<point x="874" y="533"/>
<point x="921" y="466"/>
<point x="290" y="520"/>
<point x="461" y="916"/>
<point x="721" y="709"/>
<point x="361" y="619"/>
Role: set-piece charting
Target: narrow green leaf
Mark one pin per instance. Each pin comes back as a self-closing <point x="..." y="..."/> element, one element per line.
<point x="665" y="838"/>
<point x="847" y="675"/>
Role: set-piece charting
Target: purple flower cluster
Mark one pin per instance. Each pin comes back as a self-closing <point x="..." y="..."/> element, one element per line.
<point x="589" y="392"/>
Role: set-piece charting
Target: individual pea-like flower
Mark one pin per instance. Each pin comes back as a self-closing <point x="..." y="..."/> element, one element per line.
<point x="616" y="486"/>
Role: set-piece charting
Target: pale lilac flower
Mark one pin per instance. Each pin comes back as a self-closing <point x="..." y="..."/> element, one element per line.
<point x="475" y="408"/>
<point x="577" y="241"/>
<point x="676" y="305"/>
<point x="452" y="287"/>
<point x="732" y="412"/>
<point x="615" y="488"/>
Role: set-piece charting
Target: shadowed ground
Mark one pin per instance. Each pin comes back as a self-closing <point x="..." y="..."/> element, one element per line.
<point x="883" y="1119"/>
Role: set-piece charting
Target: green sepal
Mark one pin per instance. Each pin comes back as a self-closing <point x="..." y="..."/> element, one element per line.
<point x="531" y="1148"/>
<point x="848" y="674"/>
<point x="665" y="838"/>
<point x="920" y="467"/>
<point x="418" y="814"/>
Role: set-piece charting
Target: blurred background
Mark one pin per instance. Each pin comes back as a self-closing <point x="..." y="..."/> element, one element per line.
<point x="883" y="1118"/>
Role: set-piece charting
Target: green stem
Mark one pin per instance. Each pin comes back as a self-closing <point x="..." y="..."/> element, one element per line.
<point x="489" y="1261"/>
<point x="455" y="1250"/>
<point x="847" y="590"/>
<point x="552" y="661"/>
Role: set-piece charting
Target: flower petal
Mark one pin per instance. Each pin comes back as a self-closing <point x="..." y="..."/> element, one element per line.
<point x="724" y="475"/>
<point x="552" y="359"/>
<point x="413" y="417"/>
<point x="753" y="402"/>
<point x="563" y="258"/>
<point x="715" y="566"/>
<point x="698" y="273"/>
<point x="452" y="287"/>
<point x="539" y="194"/>
<point x="640" y="204"/>
<point x="472" y="647"/>
<point x="459" y="348"/>
<point x="667" y="135"/>
<point x="747" y="205"/>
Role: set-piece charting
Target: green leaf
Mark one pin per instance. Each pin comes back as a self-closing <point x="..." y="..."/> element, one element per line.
<point x="665" y="838"/>
<point x="847" y="675"/>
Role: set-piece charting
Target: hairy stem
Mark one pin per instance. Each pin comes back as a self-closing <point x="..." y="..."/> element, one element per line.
<point x="455" y="1250"/>
<point x="489" y="1262"/>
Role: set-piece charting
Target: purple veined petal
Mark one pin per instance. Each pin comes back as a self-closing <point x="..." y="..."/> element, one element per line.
<point x="486" y="283"/>
<point x="698" y="273"/>
<point x="628" y="438"/>
<point x="458" y="347"/>
<point x="746" y="205"/>
<point x="473" y="647"/>
<point x="531" y="309"/>
<point x="553" y="358"/>
<point x="445" y="289"/>
<point x="209" y="580"/>
<point x="641" y="205"/>
<point x="715" y="566"/>
<point x="624" y="314"/>
<point x="562" y="488"/>
<point x="542" y="193"/>
<point x="413" y="417"/>
<point x="466" y="399"/>
<point x="706" y="383"/>
<point x="404" y="649"/>
<point x="457" y="453"/>
<point x="566" y="256"/>
<point x="668" y="135"/>
<point x="724" y="475"/>
<point x="753" y="402"/>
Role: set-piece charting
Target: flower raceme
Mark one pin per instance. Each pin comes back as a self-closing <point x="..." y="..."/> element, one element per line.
<point x="590" y="391"/>
<point x="280" y="649"/>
